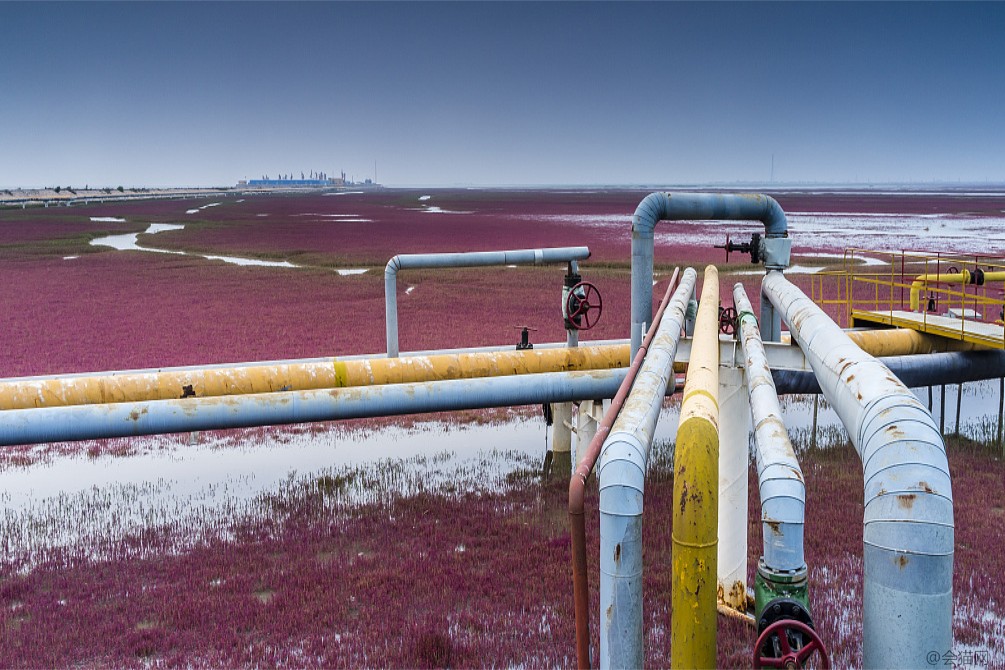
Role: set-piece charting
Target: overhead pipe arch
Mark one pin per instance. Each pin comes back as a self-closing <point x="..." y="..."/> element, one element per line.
<point x="661" y="206"/>
<point x="463" y="260"/>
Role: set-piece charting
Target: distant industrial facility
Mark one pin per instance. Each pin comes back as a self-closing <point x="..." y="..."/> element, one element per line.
<point x="306" y="180"/>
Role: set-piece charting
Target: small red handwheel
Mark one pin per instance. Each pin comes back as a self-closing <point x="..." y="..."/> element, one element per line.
<point x="777" y="646"/>
<point x="583" y="306"/>
<point x="727" y="321"/>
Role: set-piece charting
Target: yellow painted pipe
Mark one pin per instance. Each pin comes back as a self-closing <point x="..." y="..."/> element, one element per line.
<point x="240" y="380"/>
<point x="905" y="342"/>
<point x="963" y="277"/>
<point x="695" y="491"/>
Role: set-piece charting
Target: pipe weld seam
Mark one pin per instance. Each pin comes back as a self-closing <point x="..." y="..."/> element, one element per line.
<point x="923" y="522"/>
<point x="701" y="392"/>
<point x="694" y="545"/>
<point x="934" y="554"/>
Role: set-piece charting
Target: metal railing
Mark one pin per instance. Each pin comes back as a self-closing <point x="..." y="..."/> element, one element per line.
<point x="929" y="286"/>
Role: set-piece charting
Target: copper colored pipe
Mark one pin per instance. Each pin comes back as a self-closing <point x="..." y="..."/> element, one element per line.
<point x="577" y="487"/>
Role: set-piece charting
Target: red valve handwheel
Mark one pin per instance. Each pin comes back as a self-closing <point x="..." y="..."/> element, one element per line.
<point x="727" y="321"/>
<point x="776" y="638"/>
<point x="583" y="305"/>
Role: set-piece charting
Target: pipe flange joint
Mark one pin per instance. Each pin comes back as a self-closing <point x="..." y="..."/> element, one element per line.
<point x="781" y="609"/>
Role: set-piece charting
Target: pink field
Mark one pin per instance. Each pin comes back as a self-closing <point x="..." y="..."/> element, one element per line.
<point x="446" y="577"/>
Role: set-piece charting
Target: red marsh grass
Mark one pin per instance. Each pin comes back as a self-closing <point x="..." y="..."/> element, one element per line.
<point x="310" y="582"/>
<point x="446" y="576"/>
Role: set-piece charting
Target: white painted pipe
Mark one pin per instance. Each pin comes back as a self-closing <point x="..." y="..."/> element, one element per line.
<point x="779" y="477"/>
<point x="621" y="472"/>
<point x="908" y="527"/>
<point x="734" y="447"/>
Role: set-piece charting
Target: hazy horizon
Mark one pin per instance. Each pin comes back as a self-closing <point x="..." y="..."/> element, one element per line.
<point x="503" y="94"/>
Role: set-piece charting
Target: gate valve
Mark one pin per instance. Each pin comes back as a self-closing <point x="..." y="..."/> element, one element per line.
<point x="727" y="320"/>
<point x="789" y="644"/>
<point x="524" y="343"/>
<point x="753" y="247"/>
<point x="583" y="306"/>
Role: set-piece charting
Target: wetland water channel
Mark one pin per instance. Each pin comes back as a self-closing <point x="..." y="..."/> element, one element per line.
<point x="130" y="242"/>
<point x="93" y="494"/>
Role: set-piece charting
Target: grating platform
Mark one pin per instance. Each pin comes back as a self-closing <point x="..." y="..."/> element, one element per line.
<point x="977" y="332"/>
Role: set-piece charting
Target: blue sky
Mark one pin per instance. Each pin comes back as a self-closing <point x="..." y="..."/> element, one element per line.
<point x="501" y="94"/>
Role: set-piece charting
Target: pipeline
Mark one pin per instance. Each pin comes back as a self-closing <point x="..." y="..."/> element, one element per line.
<point x="782" y="569"/>
<point x="657" y="207"/>
<point x="29" y="392"/>
<point x="904" y="341"/>
<point x="577" y="485"/>
<point x="621" y="472"/>
<point x="964" y="277"/>
<point x="696" y="483"/>
<point x="462" y="260"/>
<point x="320" y="373"/>
<point x="127" y="419"/>
<point x="917" y="371"/>
<point x="908" y="522"/>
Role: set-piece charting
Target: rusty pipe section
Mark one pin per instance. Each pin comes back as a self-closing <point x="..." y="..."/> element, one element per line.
<point x="908" y="526"/>
<point x="30" y="392"/>
<point x="657" y="207"/>
<point x="462" y="260"/>
<point x="621" y="473"/>
<point x="696" y="485"/>
<point x="127" y="419"/>
<point x="577" y="487"/>
<point x="779" y="477"/>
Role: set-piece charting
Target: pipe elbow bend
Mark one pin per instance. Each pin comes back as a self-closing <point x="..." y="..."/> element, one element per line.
<point x="775" y="223"/>
<point x="650" y="211"/>
<point x="622" y="473"/>
<point x="392" y="267"/>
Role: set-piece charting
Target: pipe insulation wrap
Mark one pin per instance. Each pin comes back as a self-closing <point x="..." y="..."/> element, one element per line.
<point x="621" y="473"/>
<point x="660" y="206"/>
<point x="88" y="422"/>
<point x="695" y="485"/>
<point x="779" y="477"/>
<point x="908" y="520"/>
<point x="462" y="260"/>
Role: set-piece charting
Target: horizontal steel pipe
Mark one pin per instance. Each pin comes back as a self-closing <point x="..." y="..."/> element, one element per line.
<point x="86" y="422"/>
<point x="657" y="207"/>
<point x="462" y="260"/>
<point x="300" y="376"/>
<point x="884" y="342"/>
<point x="917" y="371"/>
<point x="908" y="531"/>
